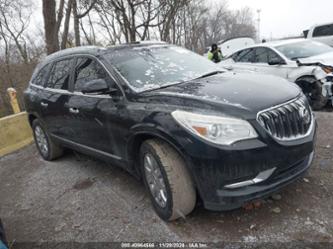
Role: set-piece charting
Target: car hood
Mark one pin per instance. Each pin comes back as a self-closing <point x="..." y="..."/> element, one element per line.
<point x="326" y="59"/>
<point x="252" y="92"/>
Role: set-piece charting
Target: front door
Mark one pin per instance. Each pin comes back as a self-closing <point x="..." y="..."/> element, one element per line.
<point x="262" y="56"/>
<point x="93" y="116"/>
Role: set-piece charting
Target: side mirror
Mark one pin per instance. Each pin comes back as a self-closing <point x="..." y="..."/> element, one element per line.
<point x="95" y="87"/>
<point x="275" y="62"/>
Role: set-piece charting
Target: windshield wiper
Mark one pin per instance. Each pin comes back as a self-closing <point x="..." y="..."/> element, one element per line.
<point x="161" y="87"/>
<point x="296" y="58"/>
<point x="184" y="81"/>
<point x="210" y="74"/>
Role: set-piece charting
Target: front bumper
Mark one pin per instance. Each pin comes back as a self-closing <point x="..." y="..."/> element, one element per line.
<point x="232" y="199"/>
<point x="214" y="169"/>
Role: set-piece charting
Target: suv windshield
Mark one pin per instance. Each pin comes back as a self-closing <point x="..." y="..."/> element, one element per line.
<point x="157" y="66"/>
<point x="303" y="49"/>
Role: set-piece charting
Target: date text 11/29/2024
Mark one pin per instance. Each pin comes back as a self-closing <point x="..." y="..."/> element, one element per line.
<point x="164" y="245"/>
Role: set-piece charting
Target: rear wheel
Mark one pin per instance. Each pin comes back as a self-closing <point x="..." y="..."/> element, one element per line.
<point x="166" y="177"/>
<point x="46" y="147"/>
<point x="312" y="89"/>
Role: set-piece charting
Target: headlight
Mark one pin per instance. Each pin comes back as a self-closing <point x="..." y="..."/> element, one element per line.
<point x="218" y="130"/>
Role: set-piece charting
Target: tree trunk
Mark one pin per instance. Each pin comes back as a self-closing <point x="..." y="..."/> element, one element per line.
<point x="50" y="26"/>
<point x="76" y="25"/>
<point x="66" y="24"/>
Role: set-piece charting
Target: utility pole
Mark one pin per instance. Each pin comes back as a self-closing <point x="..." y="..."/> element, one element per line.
<point x="258" y="20"/>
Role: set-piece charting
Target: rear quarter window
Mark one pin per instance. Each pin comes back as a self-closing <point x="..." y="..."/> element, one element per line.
<point x="39" y="79"/>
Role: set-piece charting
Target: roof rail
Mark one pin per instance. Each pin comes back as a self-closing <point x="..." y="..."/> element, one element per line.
<point x="148" y="42"/>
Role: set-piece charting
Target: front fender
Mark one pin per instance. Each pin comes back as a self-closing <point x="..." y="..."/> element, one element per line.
<point x="300" y="72"/>
<point x="142" y="132"/>
<point x="151" y="130"/>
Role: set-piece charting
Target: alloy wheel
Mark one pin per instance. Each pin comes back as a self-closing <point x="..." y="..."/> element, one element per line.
<point x="155" y="180"/>
<point x="41" y="140"/>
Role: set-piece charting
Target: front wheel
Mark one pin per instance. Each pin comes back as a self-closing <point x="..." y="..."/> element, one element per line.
<point x="166" y="177"/>
<point x="312" y="89"/>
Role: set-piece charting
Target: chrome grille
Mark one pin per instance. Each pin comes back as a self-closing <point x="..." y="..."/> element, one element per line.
<point x="289" y="121"/>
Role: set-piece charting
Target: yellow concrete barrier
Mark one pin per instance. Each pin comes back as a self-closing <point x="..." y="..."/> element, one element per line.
<point x="15" y="133"/>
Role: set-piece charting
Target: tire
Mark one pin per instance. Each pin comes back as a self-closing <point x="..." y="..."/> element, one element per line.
<point x="50" y="150"/>
<point x="179" y="188"/>
<point x="312" y="89"/>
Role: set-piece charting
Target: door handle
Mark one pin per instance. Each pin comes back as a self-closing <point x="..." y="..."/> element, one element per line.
<point x="74" y="110"/>
<point x="43" y="104"/>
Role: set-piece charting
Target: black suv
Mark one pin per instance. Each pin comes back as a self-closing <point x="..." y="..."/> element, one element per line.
<point x="172" y="118"/>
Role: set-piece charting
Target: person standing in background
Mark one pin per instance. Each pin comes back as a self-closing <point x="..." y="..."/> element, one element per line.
<point x="215" y="54"/>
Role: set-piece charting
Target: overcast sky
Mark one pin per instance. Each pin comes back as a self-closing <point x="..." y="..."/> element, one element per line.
<point x="287" y="17"/>
<point x="279" y="18"/>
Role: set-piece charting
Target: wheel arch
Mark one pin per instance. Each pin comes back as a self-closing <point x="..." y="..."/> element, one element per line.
<point x="303" y="77"/>
<point x="301" y="80"/>
<point x="31" y="118"/>
<point x="137" y="139"/>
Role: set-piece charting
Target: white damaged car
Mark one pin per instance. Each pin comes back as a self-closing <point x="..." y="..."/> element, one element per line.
<point x="307" y="63"/>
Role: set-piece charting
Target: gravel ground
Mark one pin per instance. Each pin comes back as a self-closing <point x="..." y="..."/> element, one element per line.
<point x="80" y="199"/>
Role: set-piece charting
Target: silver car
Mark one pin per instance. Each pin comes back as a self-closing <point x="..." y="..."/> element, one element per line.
<point x="307" y="63"/>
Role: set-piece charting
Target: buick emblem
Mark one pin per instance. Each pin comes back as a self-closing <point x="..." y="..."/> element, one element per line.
<point x="305" y="114"/>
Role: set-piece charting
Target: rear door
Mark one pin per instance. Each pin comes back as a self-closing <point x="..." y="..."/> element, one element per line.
<point x="243" y="60"/>
<point x="34" y="94"/>
<point x="56" y="96"/>
<point x="94" y="117"/>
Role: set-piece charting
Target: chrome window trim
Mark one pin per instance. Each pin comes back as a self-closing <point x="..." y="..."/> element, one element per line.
<point x="75" y="56"/>
<point x="295" y="138"/>
<point x="61" y="91"/>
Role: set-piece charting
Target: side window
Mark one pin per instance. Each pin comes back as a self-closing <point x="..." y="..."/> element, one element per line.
<point x="60" y="74"/>
<point x="272" y="56"/>
<point x="245" y="56"/>
<point x="261" y="55"/>
<point x="235" y="56"/>
<point x="40" y="78"/>
<point x="87" y="70"/>
<point x="325" y="30"/>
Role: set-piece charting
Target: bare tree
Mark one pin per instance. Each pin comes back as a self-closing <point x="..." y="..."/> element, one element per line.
<point x="52" y="23"/>
<point x="215" y="23"/>
<point x="169" y="9"/>
<point x="107" y="21"/>
<point x="133" y="18"/>
<point x="66" y="24"/>
<point x="87" y="6"/>
<point x="239" y="23"/>
<point x="14" y="20"/>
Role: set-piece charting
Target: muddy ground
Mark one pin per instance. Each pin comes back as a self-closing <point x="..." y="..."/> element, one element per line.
<point x="80" y="199"/>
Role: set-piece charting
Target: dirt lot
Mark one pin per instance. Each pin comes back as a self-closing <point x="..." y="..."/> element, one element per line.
<point x="79" y="199"/>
